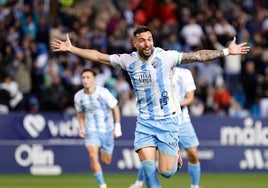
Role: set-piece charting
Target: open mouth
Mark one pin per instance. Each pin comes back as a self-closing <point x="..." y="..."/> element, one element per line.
<point x="147" y="50"/>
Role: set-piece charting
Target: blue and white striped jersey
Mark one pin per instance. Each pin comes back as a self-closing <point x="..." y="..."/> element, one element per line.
<point x="152" y="81"/>
<point x="183" y="82"/>
<point x="97" y="108"/>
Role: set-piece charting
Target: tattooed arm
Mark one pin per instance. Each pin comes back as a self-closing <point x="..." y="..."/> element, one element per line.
<point x="201" y="56"/>
<point x="207" y="55"/>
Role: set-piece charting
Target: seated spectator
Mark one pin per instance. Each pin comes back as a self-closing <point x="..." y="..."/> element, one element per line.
<point x="4" y="101"/>
<point x="249" y="81"/>
<point x="104" y="73"/>
<point x="192" y="34"/>
<point x="16" y="101"/>
<point x="264" y="97"/>
<point x="197" y="108"/>
<point x="122" y="88"/>
<point x="129" y="107"/>
<point x="222" y="100"/>
<point x="225" y="103"/>
<point x="55" y="97"/>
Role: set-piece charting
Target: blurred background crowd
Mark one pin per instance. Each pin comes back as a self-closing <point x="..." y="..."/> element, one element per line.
<point x="33" y="78"/>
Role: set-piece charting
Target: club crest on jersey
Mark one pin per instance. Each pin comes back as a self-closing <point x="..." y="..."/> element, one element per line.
<point x="154" y="64"/>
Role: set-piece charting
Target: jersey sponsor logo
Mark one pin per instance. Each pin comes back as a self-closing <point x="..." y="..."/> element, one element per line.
<point x="164" y="99"/>
<point x="90" y="107"/>
<point x="144" y="79"/>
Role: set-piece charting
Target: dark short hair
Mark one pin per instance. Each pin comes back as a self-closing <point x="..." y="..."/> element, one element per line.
<point x="141" y="29"/>
<point x="89" y="70"/>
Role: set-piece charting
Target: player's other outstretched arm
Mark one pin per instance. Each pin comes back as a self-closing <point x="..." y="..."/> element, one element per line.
<point x="92" y="55"/>
<point x="207" y="55"/>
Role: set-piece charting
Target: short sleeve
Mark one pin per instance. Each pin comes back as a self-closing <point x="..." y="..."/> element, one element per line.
<point x="117" y="60"/>
<point x="77" y="105"/>
<point x="110" y="100"/>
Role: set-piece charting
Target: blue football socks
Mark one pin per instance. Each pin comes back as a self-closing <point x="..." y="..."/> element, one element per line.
<point x="194" y="171"/>
<point x="140" y="176"/>
<point x="150" y="176"/>
<point x="99" y="177"/>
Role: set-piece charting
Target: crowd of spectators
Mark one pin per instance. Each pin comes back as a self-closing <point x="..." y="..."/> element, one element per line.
<point x="33" y="78"/>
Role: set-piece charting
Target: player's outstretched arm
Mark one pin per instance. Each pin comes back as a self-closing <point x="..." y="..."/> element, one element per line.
<point x="92" y="55"/>
<point x="207" y="55"/>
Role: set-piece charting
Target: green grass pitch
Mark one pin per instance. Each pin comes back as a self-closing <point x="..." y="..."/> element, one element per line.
<point x="180" y="180"/>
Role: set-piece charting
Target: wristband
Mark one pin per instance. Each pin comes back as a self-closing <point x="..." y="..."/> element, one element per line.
<point x="117" y="125"/>
<point x="225" y="51"/>
<point x="117" y="130"/>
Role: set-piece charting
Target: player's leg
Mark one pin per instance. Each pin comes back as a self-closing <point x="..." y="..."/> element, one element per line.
<point x="139" y="180"/>
<point x="168" y="164"/>
<point x="168" y="148"/>
<point x="93" y="143"/>
<point x="95" y="165"/>
<point x="145" y="146"/>
<point x="107" y="147"/>
<point x="148" y="166"/>
<point x="106" y="158"/>
<point x="189" y="141"/>
<point x="194" y="168"/>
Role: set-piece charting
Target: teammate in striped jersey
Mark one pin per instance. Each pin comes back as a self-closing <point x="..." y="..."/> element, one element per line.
<point x="185" y="87"/>
<point x="99" y="119"/>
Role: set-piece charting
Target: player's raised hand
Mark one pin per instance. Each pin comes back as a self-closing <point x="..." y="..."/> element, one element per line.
<point x="236" y="49"/>
<point x="59" y="45"/>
